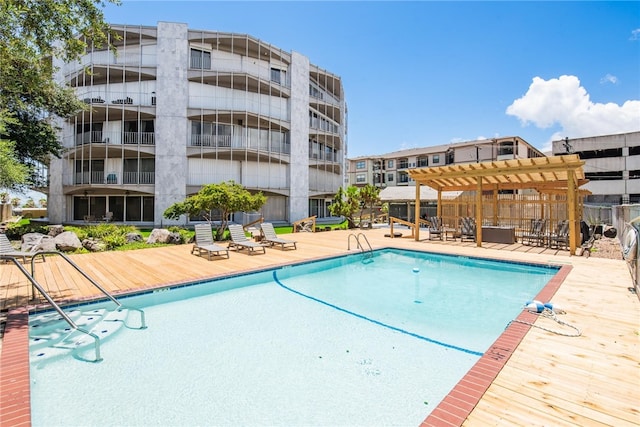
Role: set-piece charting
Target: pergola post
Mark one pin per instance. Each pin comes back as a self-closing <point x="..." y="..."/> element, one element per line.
<point x="479" y="213"/>
<point x="571" y="208"/>
<point x="417" y="213"/>
<point x="495" y="206"/>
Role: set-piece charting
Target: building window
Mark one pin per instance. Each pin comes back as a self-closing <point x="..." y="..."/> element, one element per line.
<point x="390" y="164"/>
<point x="505" y="148"/>
<point x="278" y="76"/>
<point x="314" y="92"/>
<point x="361" y="178"/>
<point x="599" y="154"/>
<point x="422" y="162"/>
<point x="603" y="176"/>
<point x="200" y="59"/>
<point x="403" y="164"/>
<point x="403" y="177"/>
<point x="360" y="164"/>
<point x="390" y="177"/>
<point x="436" y="158"/>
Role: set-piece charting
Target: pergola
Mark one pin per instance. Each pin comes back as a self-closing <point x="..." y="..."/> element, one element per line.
<point x="556" y="174"/>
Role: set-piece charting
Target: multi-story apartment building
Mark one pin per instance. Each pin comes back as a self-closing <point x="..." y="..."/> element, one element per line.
<point x="177" y="108"/>
<point x="391" y="169"/>
<point x="612" y="166"/>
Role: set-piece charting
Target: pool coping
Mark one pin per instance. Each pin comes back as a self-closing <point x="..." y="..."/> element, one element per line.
<point x="15" y="390"/>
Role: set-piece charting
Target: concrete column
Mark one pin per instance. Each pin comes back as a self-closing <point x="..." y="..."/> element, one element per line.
<point x="299" y="168"/>
<point x="172" y="100"/>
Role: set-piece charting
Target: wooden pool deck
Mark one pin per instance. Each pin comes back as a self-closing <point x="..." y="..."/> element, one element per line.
<point x="549" y="379"/>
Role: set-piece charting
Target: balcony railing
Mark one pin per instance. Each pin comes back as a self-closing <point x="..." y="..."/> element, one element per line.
<point x="107" y="57"/>
<point x="115" y="137"/>
<point x="239" y="142"/>
<point x="113" y="178"/>
<point x="95" y="177"/>
<point x="103" y="98"/>
<point x="139" y="178"/>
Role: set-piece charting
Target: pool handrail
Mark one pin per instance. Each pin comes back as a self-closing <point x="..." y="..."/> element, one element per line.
<point x="360" y="246"/>
<point x="143" y="324"/>
<point x="34" y="283"/>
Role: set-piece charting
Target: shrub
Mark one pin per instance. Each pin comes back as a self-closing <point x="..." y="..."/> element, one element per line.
<point x="16" y="230"/>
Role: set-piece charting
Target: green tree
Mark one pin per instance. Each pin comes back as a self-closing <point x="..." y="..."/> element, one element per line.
<point x="224" y="198"/>
<point x="32" y="33"/>
<point x="13" y="174"/>
<point x="30" y="203"/>
<point x="346" y="203"/>
<point x="369" y="197"/>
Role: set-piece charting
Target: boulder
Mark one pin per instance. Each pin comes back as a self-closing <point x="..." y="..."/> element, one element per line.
<point x="93" y="245"/>
<point x="175" y="238"/>
<point x="67" y="241"/>
<point x="159" y="235"/>
<point x="32" y="242"/>
<point x="55" y="230"/>
<point x="133" y="237"/>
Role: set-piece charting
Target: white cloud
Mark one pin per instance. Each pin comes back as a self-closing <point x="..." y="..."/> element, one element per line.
<point x="635" y="34"/>
<point x="565" y="103"/>
<point x="609" y="79"/>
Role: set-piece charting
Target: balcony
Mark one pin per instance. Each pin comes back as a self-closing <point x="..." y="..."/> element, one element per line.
<point x="239" y="142"/>
<point x="112" y="178"/>
<point x="115" y="137"/>
<point x="102" y="98"/>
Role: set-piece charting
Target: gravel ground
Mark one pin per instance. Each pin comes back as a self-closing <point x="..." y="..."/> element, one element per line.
<point x="606" y="247"/>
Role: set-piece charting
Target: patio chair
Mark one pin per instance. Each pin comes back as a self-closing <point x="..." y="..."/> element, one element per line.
<point x="560" y="237"/>
<point x="536" y="233"/>
<point x="204" y="243"/>
<point x="270" y="237"/>
<point x="467" y="228"/>
<point x="435" y="228"/>
<point x="7" y="250"/>
<point x="240" y="241"/>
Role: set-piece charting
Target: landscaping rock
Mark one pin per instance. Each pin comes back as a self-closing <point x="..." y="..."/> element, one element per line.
<point x="133" y="237"/>
<point x="32" y="242"/>
<point x="55" y="230"/>
<point x="159" y="235"/>
<point x="93" y="245"/>
<point x="67" y="241"/>
<point x="175" y="238"/>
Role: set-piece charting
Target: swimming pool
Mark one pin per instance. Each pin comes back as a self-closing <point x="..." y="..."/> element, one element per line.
<point x="340" y="341"/>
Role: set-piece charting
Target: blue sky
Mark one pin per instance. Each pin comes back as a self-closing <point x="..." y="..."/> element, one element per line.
<point x="424" y="73"/>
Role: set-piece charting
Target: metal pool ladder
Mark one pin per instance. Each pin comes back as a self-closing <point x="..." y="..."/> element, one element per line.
<point x="368" y="252"/>
<point x="45" y="294"/>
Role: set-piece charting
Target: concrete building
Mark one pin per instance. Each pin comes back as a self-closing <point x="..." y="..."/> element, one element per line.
<point x="178" y="108"/>
<point x="612" y="166"/>
<point x="391" y="169"/>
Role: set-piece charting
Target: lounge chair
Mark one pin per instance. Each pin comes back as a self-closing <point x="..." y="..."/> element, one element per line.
<point x="270" y="237"/>
<point x="240" y="241"/>
<point x="536" y="233"/>
<point x="560" y="237"/>
<point x="435" y="228"/>
<point x="204" y="243"/>
<point x="467" y="228"/>
<point x="7" y="250"/>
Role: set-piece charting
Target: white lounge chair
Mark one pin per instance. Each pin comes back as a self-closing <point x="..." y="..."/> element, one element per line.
<point x="204" y="243"/>
<point x="7" y="250"/>
<point x="240" y="241"/>
<point x="270" y="237"/>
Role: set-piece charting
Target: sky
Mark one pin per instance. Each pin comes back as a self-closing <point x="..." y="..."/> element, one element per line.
<point x="422" y="73"/>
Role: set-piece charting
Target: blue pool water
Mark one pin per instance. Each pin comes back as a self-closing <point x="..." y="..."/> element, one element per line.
<point x="336" y="342"/>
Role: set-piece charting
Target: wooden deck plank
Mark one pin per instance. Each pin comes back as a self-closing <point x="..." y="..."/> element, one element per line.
<point x="549" y="380"/>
